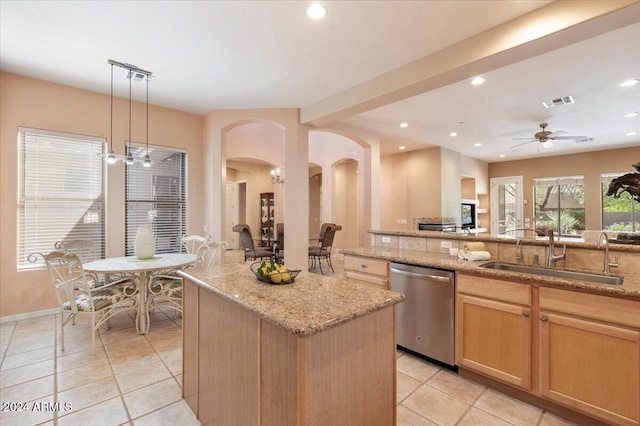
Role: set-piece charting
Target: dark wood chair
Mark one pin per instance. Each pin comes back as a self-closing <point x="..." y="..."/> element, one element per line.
<point x="279" y="246"/>
<point x="323" y="249"/>
<point x="251" y="252"/>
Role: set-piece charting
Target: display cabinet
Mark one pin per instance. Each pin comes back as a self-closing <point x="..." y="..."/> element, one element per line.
<point x="267" y="210"/>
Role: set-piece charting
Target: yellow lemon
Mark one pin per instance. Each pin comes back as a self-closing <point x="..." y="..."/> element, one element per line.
<point x="285" y="276"/>
<point x="276" y="278"/>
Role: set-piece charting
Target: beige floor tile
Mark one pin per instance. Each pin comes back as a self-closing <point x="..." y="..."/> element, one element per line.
<point x="26" y="358"/>
<point x="178" y="378"/>
<point x="509" y="409"/>
<point x="26" y="344"/>
<point x="78" y="359"/>
<point x="416" y="367"/>
<point x="30" y="416"/>
<point x="405" y="385"/>
<point x="86" y="374"/>
<point x="174" y="364"/>
<point x="119" y="336"/>
<point x="456" y="386"/>
<point x="406" y="417"/>
<point x="107" y="413"/>
<point x="549" y="419"/>
<point x="26" y="373"/>
<point x="90" y="394"/>
<point x="178" y="413"/>
<point x="132" y="360"/>
<point x="28" y="391"/>
<point x="436" y="406"/>
<point x="135" y="345"/>
<point x="151" y="398"/>
<point x="477" y="417"/>
<point x="146" y="375"/>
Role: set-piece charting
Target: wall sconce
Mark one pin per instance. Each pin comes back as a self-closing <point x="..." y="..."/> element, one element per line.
<point x="275" y="177"/>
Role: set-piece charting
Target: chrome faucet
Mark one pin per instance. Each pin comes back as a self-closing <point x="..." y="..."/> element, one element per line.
<point x="519" y="252"/>
<point x="553" y="257"/>
<point x="607" y="264"/>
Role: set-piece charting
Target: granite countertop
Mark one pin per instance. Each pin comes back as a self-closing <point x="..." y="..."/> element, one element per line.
<point x="629" y="289"/>
<point x="310" y="305"/>
<point x="540" y="241"/>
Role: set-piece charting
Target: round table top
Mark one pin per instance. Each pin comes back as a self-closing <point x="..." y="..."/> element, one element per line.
<point x="133" y="264"/>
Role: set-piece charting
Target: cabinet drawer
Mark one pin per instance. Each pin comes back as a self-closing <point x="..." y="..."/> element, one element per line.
<point x="370" y="280"/>
<point x="367" y="266"/>
<point x="604" y="308"/>
<point x="494" y="289"/>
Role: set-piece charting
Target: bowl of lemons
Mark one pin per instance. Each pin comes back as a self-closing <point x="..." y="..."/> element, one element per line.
<point x="272" y="272"/>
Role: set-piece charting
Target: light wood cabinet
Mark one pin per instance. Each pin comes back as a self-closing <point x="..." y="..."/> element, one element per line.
<point x="493" y="329"/>
<point x="372" y="272"/>
<point x="590" y="354"/>
<point x="579" y="350"/>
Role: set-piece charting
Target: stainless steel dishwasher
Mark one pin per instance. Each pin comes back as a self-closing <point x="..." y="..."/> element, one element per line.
<point x="425" y="320"/>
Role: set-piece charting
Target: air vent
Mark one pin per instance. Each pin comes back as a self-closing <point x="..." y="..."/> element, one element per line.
<point x="559" y="101"/>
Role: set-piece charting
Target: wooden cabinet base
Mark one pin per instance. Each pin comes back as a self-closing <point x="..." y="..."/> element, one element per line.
<point x="250" y="371"/>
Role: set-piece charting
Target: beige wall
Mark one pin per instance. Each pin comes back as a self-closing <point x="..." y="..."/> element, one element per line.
<point x="344" y="211"/>
<point x="589" y="164"/>
<point x="39" y="104"/>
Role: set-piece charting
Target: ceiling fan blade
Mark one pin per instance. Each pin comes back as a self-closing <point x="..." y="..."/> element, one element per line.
<point x="558" y="133"/>
<point x="520" y="144"/>
<point x="522" y="139"/>
<point x="567" y="138"/>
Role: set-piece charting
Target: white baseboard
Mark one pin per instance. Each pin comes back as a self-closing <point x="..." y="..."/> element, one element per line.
<point x="28" y="315"/>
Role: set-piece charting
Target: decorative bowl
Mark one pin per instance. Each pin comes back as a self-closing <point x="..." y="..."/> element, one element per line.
<point x="275" y="277"/>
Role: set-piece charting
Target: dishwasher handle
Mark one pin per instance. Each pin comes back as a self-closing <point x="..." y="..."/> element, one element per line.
<point x="422" y="276"/>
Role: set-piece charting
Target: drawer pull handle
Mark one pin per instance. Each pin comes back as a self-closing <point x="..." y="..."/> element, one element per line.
<point x="363" y="266"/>
<point x="525" y="314"/>
<point x="543" y="318"/>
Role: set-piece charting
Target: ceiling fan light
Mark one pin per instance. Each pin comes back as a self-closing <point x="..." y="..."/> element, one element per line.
<point x="546" y="144"/>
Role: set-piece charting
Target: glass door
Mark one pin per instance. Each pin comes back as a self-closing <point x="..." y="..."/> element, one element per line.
<point x="506" y="206"/>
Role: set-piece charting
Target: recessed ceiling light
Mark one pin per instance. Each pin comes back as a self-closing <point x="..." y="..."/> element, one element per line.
<point x="629" y="83"/>
<point x="453" y="134"/>
<point x="402" y="147"/>
<point x="631" y="134"/>
<point x="478" y="81"/>
<point x="631" y="114"/>
<point x="316" y="12"/>
<point x="404" y="125"/>
<point x="477" y="144"/>
<point x="503" y="155"/>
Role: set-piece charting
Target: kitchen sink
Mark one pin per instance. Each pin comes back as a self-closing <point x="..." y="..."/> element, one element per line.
<point x="556" y="273"/>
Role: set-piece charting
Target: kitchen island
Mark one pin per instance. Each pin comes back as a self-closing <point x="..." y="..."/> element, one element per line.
<point x="317" y="351"/>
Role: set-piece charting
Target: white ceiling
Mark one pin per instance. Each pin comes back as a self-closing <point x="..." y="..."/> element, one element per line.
<point x="256" y="54"/>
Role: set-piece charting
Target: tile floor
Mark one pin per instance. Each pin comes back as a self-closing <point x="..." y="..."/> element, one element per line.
<point x="135" y="379"/>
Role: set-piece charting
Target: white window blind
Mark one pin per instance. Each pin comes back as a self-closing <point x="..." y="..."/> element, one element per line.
<point x="156" y="197"/>
<point x="60" y="194"/>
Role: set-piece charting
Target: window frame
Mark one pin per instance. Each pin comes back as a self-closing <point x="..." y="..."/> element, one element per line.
<point x="541" y="219"/>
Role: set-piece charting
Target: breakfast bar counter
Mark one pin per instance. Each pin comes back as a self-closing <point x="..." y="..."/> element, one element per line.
<point x="316" y="351"/>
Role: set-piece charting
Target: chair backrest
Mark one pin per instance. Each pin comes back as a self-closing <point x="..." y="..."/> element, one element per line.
<point x="207" y="253"/>
<point x="330" y="232"/>
<point x="280" y="235"/>
<point x="84" y="249"/>
<point x="323" y="229"/>
<point x="67" y="276"/>
<point x="245" y="236"/>
<point x="192" y="243"/>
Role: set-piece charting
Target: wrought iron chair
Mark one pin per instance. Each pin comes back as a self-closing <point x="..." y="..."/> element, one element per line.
<point x="251" y="252"/>
<point x="76" y="297"/>
<point x="192" y="243"/>
<point x="87" y="252"/>
<point x="165" y="290"/>
<point x="279" y="246"/>
<point x="323" y="250"/>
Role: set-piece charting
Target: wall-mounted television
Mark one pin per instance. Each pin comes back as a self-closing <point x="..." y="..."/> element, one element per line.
<point x="468" y="215"/>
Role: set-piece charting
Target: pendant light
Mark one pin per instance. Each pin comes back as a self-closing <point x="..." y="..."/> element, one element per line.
<point x="111" y="158"/>
<point x="147" y="161"/>
<point x="138" y="74"/>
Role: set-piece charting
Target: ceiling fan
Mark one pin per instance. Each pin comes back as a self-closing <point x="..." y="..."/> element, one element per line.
<point x="545" y="137"/>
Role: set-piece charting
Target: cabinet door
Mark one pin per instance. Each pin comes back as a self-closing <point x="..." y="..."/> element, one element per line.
<point x="494" y="338"/>
<point x="590" y="367"/>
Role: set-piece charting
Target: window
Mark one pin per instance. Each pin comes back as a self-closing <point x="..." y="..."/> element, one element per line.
<point x="156" y="196"/>
<point x="559" y="205"/>
<point x="60" y="193"/>
<point x="618" y="214"/>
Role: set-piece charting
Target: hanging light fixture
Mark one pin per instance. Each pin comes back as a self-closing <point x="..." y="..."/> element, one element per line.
<point x="139" y="74"/>
<point x="275" y="177"/>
